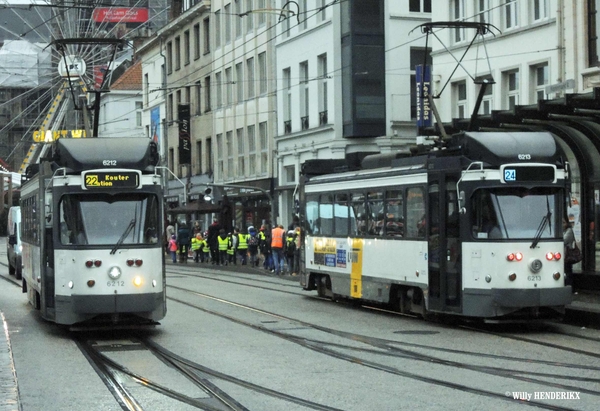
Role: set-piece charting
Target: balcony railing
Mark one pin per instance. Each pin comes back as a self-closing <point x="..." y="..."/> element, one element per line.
<point x="287" y="127"/>
<point x="322" y="117"/>
<point x="304" y="122"/>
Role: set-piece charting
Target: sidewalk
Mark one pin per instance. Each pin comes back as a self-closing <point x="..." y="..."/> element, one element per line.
<point x="584" y="310"/>
<point x="9" y="393"/>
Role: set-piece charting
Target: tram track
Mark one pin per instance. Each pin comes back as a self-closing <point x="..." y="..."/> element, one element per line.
<point x="110" y="372"/>
<point x="542" y="343"/>
<point x="467" y="327"/>
<point x="385" y="347"/>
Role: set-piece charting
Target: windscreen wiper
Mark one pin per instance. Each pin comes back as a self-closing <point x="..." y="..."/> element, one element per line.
<point x="546" y="220"/>
<point x="124" y="236"/>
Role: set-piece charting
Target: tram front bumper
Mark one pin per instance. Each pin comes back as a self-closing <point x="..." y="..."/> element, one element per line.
<point x="532" y="297"/>
<point x="115" y="303"/>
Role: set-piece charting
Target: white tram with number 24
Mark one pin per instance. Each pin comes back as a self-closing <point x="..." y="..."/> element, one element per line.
<point x="472" y="229"/>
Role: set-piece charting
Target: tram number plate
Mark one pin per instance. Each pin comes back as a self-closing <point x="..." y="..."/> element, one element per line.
<point x="534" y="277"/>
<point x="115" y="283"/>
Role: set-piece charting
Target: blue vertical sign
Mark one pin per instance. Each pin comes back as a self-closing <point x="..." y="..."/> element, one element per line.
<point x="423" y="88"/>
<point x="155" y="127"/>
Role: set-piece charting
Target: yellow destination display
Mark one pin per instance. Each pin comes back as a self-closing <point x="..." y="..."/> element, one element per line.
<point x="111" y="179"/>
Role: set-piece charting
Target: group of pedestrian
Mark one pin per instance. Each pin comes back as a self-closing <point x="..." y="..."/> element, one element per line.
<point x="280" y="251"/>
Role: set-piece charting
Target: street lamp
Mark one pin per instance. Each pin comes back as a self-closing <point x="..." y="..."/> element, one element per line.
<point x="177" y="178"/>
<point x="207" y="197"/>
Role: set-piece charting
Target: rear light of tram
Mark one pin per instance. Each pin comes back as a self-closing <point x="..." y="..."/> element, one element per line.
<point x="138" y="262"/>
<point x="93" y="263"/>
<point x="553" y="256"/>
<point x="514" y="256"/>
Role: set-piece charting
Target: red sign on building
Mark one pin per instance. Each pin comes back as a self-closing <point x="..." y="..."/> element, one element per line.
<point x="120" y="15"/>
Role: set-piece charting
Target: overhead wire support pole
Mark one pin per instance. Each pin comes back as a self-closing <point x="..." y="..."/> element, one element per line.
<point x="480" y="30"/>
<point x="176" y="178"/>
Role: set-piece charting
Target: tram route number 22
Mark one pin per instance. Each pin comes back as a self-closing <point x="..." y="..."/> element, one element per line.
<point x="115" y="283"/>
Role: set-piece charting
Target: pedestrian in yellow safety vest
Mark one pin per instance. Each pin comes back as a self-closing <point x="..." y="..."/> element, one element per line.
<point x="242" y="247"/>
<point x="223" y="245"/>
<point x="205" y="248"/>
<point x="196" y="247"/>
<point x="231" y="248"/>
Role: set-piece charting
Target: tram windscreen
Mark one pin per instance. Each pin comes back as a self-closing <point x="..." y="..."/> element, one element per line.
<point x="102" y="219"/>
<point x="516" y="213"/>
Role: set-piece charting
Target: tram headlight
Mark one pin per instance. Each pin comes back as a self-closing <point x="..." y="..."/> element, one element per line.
<point x="488" y="278"/>
<point x="114" y="272"/>
<point x="556" y="276"/>
<point x="137" y="281"/>
<point x="512" y="276"/>
<point x="549" y="256"/>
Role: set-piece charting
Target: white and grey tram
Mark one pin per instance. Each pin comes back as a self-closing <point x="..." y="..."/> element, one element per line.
<point x="473" y="228"/>
<point x="92" y="220"/>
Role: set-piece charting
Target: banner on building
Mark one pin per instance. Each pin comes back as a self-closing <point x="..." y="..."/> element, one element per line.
<point x="424" y="114"/>
<point x="185" y="144"/>
<point x="120" y="15"/>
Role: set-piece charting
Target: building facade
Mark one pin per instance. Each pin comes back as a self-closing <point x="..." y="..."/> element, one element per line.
<point x="346" y="85"/>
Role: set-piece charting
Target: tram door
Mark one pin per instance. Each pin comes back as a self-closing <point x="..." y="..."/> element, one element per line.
<point x="443" y="244"/>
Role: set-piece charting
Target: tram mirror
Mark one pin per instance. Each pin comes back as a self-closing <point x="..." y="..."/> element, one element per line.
<point x="207" y="196"/>
<point x="461" y="203"/>
<point x="48" y="209"/>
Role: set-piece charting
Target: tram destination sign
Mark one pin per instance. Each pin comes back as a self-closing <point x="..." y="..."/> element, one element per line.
<point x="519" y="173"/>
<point x="106" y="179"/>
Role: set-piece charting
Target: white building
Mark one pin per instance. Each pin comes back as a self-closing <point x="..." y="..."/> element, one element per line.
<point x="121" y="109"/>
<point x="539" y="49"/>
<point x="345" y="82"/>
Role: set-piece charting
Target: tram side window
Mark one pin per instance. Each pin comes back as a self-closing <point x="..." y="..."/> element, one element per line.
<point x="394" y="213"/>
<point x="312" y="214"/>
<point x="358" y="206"/>
<point x="376" y="216"/>
<point x="341" y="213"/>
<point x="325" y="221"/>
<point x="151" y="233"/>
<point x="29" y="220"/>
<point x="415" y="213"/>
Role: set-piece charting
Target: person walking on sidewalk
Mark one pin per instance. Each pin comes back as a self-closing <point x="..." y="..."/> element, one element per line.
<point x="173" y="248"/>
<point x="297" y="239"/>
<point x="277" y="244"/>
<point x="242" y="247"/>
<point x="223" y="240"/>
<point x="290" y="250"/>
<point x="253" y="246"/>
<point x="183" y="241"/>
<point x="231" y="247"/>
<point x="264" y="244"/>
<point x="213" y="234"/>
<point x="196" y="244"/>
<point x="205" y="251"/>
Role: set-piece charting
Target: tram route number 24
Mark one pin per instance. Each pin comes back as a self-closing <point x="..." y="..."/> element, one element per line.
<point x="115" y="283"/>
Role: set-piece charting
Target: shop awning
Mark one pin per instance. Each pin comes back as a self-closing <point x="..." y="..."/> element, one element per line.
<point x="195" y="207"/>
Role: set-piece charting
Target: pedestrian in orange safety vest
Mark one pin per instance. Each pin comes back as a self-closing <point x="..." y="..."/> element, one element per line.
<point x="277" y="241"/>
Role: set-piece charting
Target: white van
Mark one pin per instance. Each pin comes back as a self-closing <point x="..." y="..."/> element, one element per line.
<point x="13" y="245"/>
